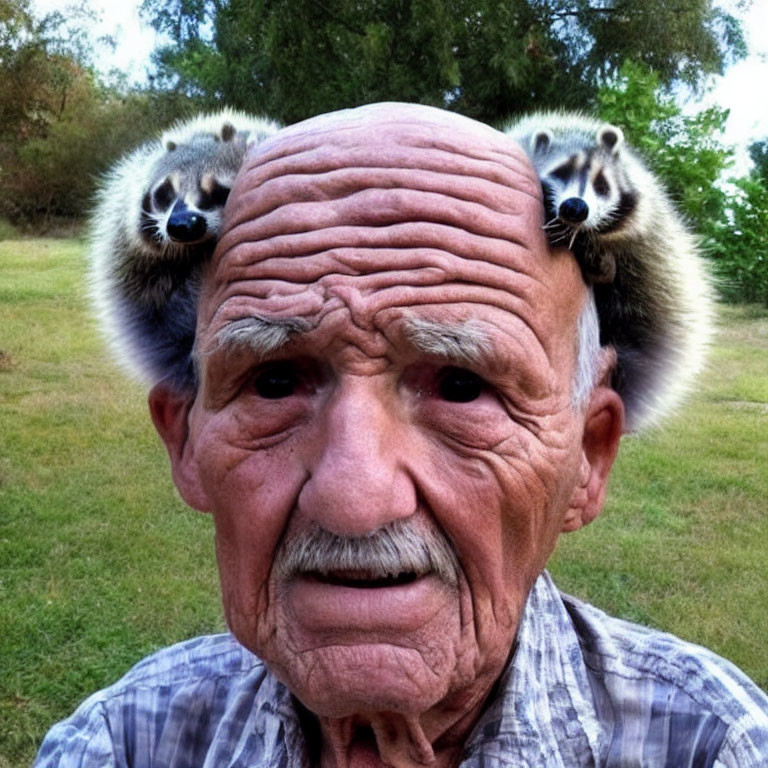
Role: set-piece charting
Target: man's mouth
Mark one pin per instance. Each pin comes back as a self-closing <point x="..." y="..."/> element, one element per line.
<point x="365" y="605"/>
<point x="363" y="579"/>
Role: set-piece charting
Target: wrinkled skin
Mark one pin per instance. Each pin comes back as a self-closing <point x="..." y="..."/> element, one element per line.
<point x="325" y="225"/>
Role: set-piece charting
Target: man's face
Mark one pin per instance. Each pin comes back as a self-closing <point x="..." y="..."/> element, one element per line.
<point x="412" y="364"/>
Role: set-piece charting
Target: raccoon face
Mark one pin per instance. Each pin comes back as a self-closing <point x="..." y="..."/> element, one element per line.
<point x="585" y="189"/>
<point x="582" y="191"/>
<point x="179" y="210"/>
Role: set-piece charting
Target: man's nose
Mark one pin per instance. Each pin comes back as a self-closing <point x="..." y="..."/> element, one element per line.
<point x="359" y="481"/>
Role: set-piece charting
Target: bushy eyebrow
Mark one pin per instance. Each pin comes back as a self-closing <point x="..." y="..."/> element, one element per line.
<point x="259" y="335"/>
<point x="462" y="343"/>
<point x="466" y="342"/>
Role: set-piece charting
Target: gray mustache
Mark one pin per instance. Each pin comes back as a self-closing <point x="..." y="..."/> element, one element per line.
<point x="400" y="547"/>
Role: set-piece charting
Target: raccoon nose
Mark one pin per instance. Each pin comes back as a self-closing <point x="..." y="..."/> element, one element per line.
<point x="185" y="226"/>
<point x="573" y="210"/>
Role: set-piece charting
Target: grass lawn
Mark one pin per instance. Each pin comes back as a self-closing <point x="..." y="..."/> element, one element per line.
<point x="100" y="563"/>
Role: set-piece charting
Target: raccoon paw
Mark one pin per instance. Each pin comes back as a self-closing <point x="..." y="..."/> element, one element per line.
<point x="604" y="269"/>
<point x="607" y="268"/>
<point x="596" y="268"/>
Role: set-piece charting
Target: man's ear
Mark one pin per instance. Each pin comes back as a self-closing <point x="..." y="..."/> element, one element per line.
<point x="170" y="411"/>
<point x="603" y="427"/>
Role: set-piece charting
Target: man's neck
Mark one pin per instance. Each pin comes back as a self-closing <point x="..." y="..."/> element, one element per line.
<point x="392" y="740"/>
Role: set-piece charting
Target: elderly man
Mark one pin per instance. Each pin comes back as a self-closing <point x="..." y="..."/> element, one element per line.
<point x="402" y="403"/>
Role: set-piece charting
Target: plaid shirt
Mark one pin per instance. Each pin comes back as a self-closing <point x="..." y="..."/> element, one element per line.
<point x="582" y="689"/>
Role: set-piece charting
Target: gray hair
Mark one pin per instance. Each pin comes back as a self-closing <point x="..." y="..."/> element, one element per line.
<point x="465" y="342"/>
<point x="400" y="547"/>
<point x="260" y="335"/>
<point x="588" y="352"/>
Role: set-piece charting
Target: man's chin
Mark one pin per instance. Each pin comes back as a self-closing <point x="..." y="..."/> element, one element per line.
<point x="340" y="681"/>
<point x="349" y="648"/>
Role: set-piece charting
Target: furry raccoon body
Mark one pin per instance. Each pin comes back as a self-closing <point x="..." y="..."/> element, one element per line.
<point x="154" y="226"/>
<point x="653" y="294"/>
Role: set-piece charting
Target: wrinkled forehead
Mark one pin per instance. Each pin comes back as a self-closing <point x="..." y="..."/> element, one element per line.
<point x="381" y="207"/>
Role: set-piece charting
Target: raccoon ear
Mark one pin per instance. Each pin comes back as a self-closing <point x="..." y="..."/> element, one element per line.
<point x="170" y="146"/>
<point x="611" y="137"/>
<point x="228" y="132"/>
<point x="541" y="140"/>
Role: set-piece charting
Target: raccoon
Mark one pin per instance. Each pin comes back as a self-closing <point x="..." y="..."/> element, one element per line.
<point x="653" y="294"/>
<point x="154" y="226"/>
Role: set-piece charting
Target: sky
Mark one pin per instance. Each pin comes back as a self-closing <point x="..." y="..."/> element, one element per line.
<point x="119" y="18"/>
<point x="742" y="89"/>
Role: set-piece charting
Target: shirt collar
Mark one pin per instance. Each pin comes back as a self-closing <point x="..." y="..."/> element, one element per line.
<point x="543" y="713"/>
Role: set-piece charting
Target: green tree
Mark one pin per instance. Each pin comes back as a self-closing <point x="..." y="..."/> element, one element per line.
<point x="758" y="151"/>
<point x="743" y="264"/>
<point x="744" y="261"/>
<point x="488" y="59"/>
<point x="59" y="126"/>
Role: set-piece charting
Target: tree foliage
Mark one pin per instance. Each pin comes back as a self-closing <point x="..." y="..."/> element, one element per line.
<point x="59" y="127"/>
<point x="743" y="260"/>
<point x="488" y="59"/>
<point x="758" y="151"/>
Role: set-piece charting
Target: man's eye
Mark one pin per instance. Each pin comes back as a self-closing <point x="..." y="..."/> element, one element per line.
<point x="276" y="381"/>
<point x="458" y="385"/>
